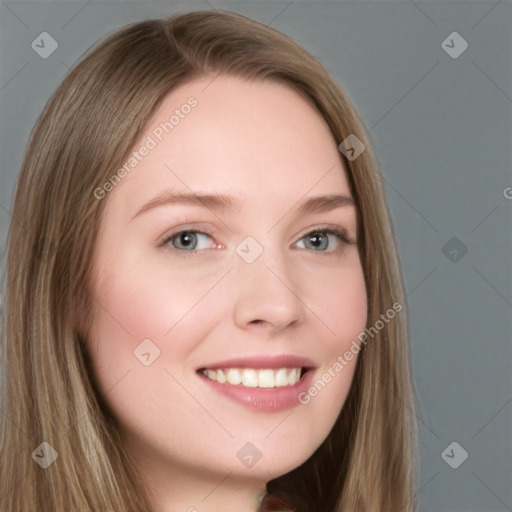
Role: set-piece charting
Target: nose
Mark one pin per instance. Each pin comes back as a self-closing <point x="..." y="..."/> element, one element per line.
<point x="267" y="292"/>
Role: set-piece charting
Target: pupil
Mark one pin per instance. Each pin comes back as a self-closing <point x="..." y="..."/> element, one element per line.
<point x="187" y="237"/>
<point x="316" y="238"/>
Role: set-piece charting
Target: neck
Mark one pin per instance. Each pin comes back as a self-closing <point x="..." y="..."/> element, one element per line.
<point x="192" y="493"/>
<point x="187" y="489"/>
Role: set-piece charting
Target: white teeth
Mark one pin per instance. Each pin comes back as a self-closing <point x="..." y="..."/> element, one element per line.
<point x="281" y="378"/>
<point x="266" y="378"/>
<point x="233" y="376"/>
<point x="211" y="374"/>
<point x="251" y="378"/>
<point x="294" y="375"/>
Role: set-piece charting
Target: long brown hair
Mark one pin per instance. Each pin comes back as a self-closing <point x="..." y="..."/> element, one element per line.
<point x="85" y="133"/>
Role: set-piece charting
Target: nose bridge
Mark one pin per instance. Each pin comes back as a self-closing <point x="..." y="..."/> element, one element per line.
<point x="266" y="290"/>
<point x="260" y="255"/>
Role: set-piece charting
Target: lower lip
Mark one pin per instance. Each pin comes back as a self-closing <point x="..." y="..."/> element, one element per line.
<point x="263" y="399"/>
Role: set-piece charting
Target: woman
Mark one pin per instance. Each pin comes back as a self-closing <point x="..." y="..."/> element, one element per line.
<point x="253" y="372"/>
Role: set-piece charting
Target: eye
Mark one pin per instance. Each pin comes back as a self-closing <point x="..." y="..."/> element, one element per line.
<point x="190" y="242"/>
<point x="319" y="239"/>
<point x="187" y="240"/>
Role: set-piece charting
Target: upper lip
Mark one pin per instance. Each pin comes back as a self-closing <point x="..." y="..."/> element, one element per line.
<point x="262" y="361"/>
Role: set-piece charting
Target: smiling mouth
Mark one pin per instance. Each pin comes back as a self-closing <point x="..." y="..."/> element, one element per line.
<point x="265" y="378"/>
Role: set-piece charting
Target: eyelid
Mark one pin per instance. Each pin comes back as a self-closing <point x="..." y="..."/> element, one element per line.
<point x="332" y="227"/>
<point x="180" y="229"/>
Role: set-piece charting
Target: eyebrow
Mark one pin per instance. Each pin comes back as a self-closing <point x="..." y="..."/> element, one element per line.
<point x="223" y="202"/>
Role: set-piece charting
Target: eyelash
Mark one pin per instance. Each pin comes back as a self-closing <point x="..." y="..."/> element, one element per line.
<point x="339" y="233"/>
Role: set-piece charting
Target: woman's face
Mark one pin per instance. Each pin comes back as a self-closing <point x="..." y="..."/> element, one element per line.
<point x="253" y="284"/>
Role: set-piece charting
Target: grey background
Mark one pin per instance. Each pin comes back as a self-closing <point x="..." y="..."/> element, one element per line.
<point x="442" y="133"/>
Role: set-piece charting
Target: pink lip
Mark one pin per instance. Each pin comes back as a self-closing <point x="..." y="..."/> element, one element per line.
<point x="263" y="361"/>
<point x="262" y="399"/>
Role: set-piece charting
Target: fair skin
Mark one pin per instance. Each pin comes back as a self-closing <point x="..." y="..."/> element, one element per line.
<point x="303" y="296"/>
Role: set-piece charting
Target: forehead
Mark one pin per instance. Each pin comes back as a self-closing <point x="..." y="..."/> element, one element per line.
<point x="253" y="139"/>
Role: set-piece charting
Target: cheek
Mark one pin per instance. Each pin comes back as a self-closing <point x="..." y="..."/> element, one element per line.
<point x="143" y="326"/>
<point x="340" y="306"/>
<point x="341" y="310"/>
<point x="136" y="302"/>
<point x="147" y="320"/>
